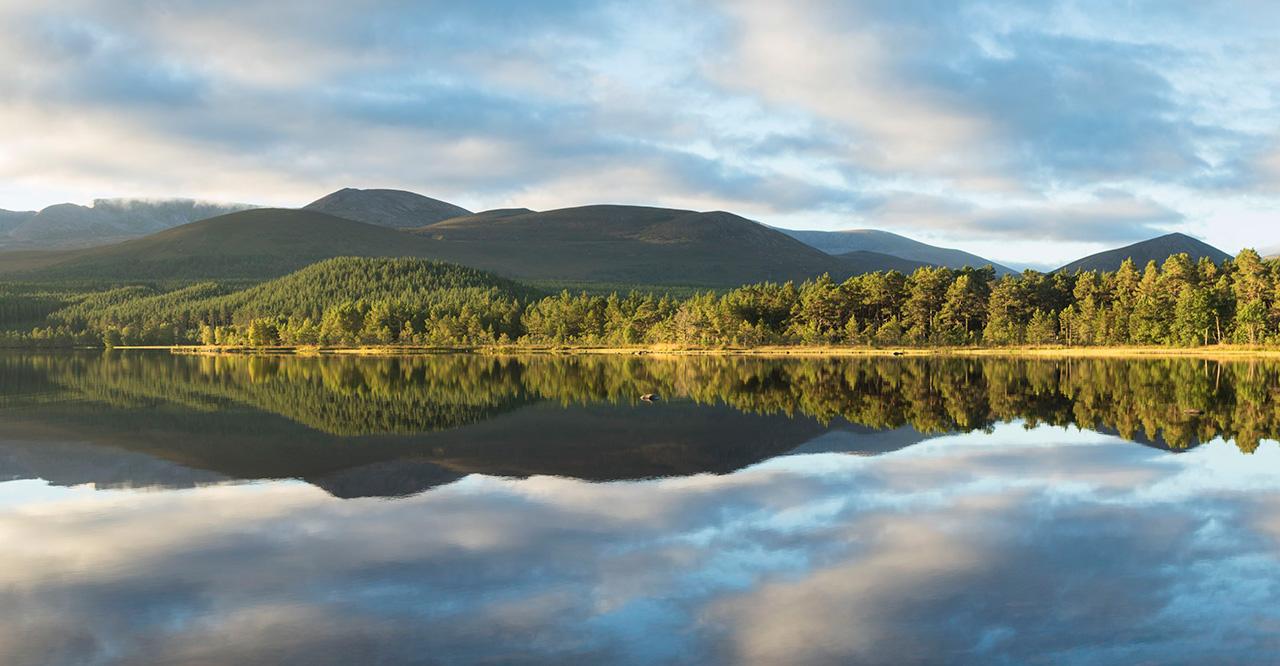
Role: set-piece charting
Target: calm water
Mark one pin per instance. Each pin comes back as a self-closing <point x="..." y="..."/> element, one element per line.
<point x="162" y="509"/>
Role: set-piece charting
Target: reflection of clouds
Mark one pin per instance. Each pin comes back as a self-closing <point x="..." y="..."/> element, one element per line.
<point x="969" y="548"/>
<point x="842" y="611"/>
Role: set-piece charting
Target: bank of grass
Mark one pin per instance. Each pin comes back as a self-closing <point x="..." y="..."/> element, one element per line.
<point x="1043" y="351"/>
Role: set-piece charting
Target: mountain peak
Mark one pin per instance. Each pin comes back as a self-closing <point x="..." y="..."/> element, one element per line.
<point x="399" y="209"/>
<point x="1156" y="249"/>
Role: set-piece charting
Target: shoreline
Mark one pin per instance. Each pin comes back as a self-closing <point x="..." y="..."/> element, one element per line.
<point x="1211" y="352"/>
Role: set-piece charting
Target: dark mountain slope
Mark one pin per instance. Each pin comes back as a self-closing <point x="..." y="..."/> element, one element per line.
<point x="389" y="208"/>
<point x="252" y="244"/>
<point x="606" y="244"/>
<point x="884" y="242"/>
<point x="1156" y="249"/>
<point x="870" y="262"/>
<point x="630" y="244"/>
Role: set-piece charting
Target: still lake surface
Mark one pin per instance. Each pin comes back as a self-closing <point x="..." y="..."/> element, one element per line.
<point x="473" y="509"/>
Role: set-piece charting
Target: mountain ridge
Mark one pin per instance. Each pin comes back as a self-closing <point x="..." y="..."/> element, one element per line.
<point x="729" y="249"/>
<point x="601" y="244"/>
<point x="1156" y="249"/>
<point x="887" y="242"/>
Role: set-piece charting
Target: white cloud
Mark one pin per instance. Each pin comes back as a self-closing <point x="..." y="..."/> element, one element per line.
<point x="800" y="114"/>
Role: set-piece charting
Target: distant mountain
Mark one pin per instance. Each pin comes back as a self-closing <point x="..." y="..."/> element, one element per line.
<point x="607" y="244"/>
<point x="388" y="208"/>
<point x="1156" y="249"/>
<point x="870" y="262"/>
<point x="106" y="221"/>
<point x="11" y="219"/>
<point x="259" y="243"/>
<point x="635" y="244"/>
<point x="884" y="242"/>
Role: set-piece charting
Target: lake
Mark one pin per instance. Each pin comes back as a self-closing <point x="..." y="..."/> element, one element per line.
<point x="475" y="509"/>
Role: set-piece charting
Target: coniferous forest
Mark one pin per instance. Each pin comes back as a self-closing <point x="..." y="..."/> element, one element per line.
<point x="416" y="302"/>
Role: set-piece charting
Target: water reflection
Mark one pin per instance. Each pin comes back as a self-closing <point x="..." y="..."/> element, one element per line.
<point x="161" y="509"/>
<point x="1017" y="546"/>
<point x="397" y="426"/>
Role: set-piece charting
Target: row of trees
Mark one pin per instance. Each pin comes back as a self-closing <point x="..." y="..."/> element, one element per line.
<point x="417" y="302"/>
<point x="1179" y="303"/>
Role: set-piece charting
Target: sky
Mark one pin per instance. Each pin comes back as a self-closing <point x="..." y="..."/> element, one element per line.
<point x="1029" y="132"/>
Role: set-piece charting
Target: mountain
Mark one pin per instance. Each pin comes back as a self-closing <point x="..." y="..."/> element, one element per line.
<point x="601" y="244"/>
<point x="870" y="262"/>
<point x="389" y="208"/>
<point x="884" y="242"/>
<point x="259" y="243"/>
<point x="106" y="221"/>
<point x="11" y="219"/>
<point x="631" y="244"/>
<point x="1156" y="249"/>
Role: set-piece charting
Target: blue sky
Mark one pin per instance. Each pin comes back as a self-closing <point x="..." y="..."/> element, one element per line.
<point x="1028" y="132"/>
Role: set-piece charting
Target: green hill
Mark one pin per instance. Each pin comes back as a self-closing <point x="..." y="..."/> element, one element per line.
<point x="1156" y="249"/>
<point x="308" y="293"/>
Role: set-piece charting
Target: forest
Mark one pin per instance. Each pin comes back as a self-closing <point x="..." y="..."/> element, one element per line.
<point x="416" y="302"/>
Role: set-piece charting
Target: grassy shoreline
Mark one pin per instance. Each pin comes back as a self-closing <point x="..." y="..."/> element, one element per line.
<point x="1209" y="352"/>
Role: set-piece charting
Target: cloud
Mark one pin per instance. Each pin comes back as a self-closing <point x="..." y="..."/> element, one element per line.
<point x="1105" y="217"/>
<point x="785" y="112"/>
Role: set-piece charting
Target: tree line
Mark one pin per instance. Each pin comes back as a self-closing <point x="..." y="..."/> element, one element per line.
<point x="352" y="301"/>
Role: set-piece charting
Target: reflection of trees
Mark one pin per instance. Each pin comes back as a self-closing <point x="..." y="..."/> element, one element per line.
<point x="341" y="396"/>
<point x="1179" y="402"/>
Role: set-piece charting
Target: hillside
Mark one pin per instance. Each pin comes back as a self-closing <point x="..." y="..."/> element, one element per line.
<point x="11" y="219"/>
<point x="600" y="244"/>
<point x="417" y="283"/>
<point x="106" y="221"/>
<point x="253" y="244"/>
<point x="884" y="242"/>
<point x="1156" y="249"/>
<point x="637" y="244"/>
<point x="871" y="262"/>
<point x="388" y="208"/>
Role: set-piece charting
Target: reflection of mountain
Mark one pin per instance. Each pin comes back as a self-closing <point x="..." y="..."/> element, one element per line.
<point x="395" y="426"/>
<point x="612" y="442"/>
<point x="77" y="463"/>
<point x="392" y="478"/>
<point x="599" y="442"/>
<point x="861" y="440"/>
